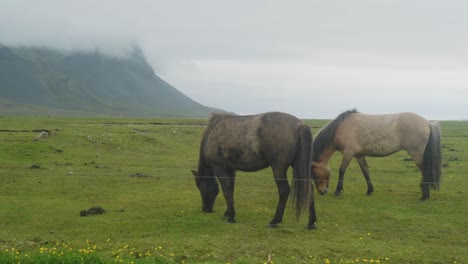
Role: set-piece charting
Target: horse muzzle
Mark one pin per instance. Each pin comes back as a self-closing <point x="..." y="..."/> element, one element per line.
<point x="323" y="191"/>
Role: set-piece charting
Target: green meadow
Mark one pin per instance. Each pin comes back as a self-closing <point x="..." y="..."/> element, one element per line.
<point x="138" y="171"/>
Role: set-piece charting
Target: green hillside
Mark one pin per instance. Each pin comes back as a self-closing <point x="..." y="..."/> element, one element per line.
<point x="43" y="81"/>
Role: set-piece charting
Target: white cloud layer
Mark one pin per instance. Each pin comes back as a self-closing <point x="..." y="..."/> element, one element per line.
<point x="313" y="59"/>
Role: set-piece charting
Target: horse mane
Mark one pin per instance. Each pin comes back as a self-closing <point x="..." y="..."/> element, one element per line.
<point x="326" y="135"/>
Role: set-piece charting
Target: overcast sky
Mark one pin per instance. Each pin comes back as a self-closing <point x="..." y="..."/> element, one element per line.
<point x="313" y="59"/>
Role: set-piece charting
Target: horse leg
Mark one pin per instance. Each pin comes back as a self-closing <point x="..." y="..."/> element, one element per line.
<point x="283" y="191"/>
<point x="231" y="185"/>
<point x="426" y="190"/>
<point x="312" y="215"/>
<point x="344" y="165"/>
<point x="226" y="179"/>
<point x="425" y="186"/>
<point x="365" y="171"/>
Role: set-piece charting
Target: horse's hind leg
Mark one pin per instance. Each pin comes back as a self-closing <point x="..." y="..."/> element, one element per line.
<point x="283" y="192"/>
<point x="365" y="171"/>
<point x="418" y="157"/>
<point x="344" y="165"/>
<point x="425" y="186"/>
<point x="226" y="179"/>
<point x="312" y="214"/>
<point x="232" y="179"/>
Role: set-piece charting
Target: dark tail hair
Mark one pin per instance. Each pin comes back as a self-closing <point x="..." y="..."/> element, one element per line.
<point x="433" y="158"/>
<point x="301" y="171"/>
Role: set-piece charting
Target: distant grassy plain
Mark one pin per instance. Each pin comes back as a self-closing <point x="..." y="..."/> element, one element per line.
<point x="139" y="171"/>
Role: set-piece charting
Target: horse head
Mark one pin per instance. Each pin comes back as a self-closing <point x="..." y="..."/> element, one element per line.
<point x="209" y="189"/>
<point x="321" y="176"/>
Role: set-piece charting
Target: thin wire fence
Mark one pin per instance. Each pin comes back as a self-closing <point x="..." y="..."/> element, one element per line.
<point x="400" y="180"/>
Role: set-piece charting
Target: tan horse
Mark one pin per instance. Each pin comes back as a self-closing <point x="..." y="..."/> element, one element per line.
<point x="359" y="135"/>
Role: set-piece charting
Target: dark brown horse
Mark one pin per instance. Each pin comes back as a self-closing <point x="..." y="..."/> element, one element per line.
<point x="358" y="135"/>
<point x="251" y="143"/>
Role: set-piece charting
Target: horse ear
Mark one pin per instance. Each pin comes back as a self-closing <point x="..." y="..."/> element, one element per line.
<point x="195" y="173"/>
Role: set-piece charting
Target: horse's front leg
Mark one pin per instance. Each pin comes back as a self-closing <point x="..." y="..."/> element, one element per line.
<point x="283" y="192"/>
<point x="226" y="179"/>
<point x="365" y="171"/>
<point x="229" y="197"/>
<point x="344" y="165"/>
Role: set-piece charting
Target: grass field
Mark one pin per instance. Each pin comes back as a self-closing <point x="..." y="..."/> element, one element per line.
<point x="138" y="170"/>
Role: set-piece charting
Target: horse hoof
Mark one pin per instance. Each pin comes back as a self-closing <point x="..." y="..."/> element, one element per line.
<point x="423" y="198"/>
<point x="230" y="220"/>
<point x="274" y="223"/>
<point x="337" y="194"/>
<point x="311" y="227"/>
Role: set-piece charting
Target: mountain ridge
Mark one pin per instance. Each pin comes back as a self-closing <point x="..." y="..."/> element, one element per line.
<point x="88" y="82"/>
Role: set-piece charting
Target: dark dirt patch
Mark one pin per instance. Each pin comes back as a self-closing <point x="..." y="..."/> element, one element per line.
<point x="35" y="166"/>
<point x="95" y="210"/>
<point x="140" y="175"/>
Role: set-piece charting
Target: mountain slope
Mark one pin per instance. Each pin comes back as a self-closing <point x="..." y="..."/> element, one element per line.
<point x="89" y="82"/>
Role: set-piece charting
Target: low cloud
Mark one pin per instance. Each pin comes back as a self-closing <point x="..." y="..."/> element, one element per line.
<point x="310" y="58"/>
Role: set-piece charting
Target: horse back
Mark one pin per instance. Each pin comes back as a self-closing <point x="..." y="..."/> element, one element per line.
<point x="279" y="135"/>
<point x="382" y="135"/>
<point x="250" y="143"/>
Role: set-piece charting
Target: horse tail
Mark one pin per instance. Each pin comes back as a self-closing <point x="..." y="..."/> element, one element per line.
<point x="433" y="157"/>
<point x="301" y="170"/>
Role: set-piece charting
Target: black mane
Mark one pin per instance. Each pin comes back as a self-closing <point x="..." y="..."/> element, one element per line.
<point x="326" y="136"/>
